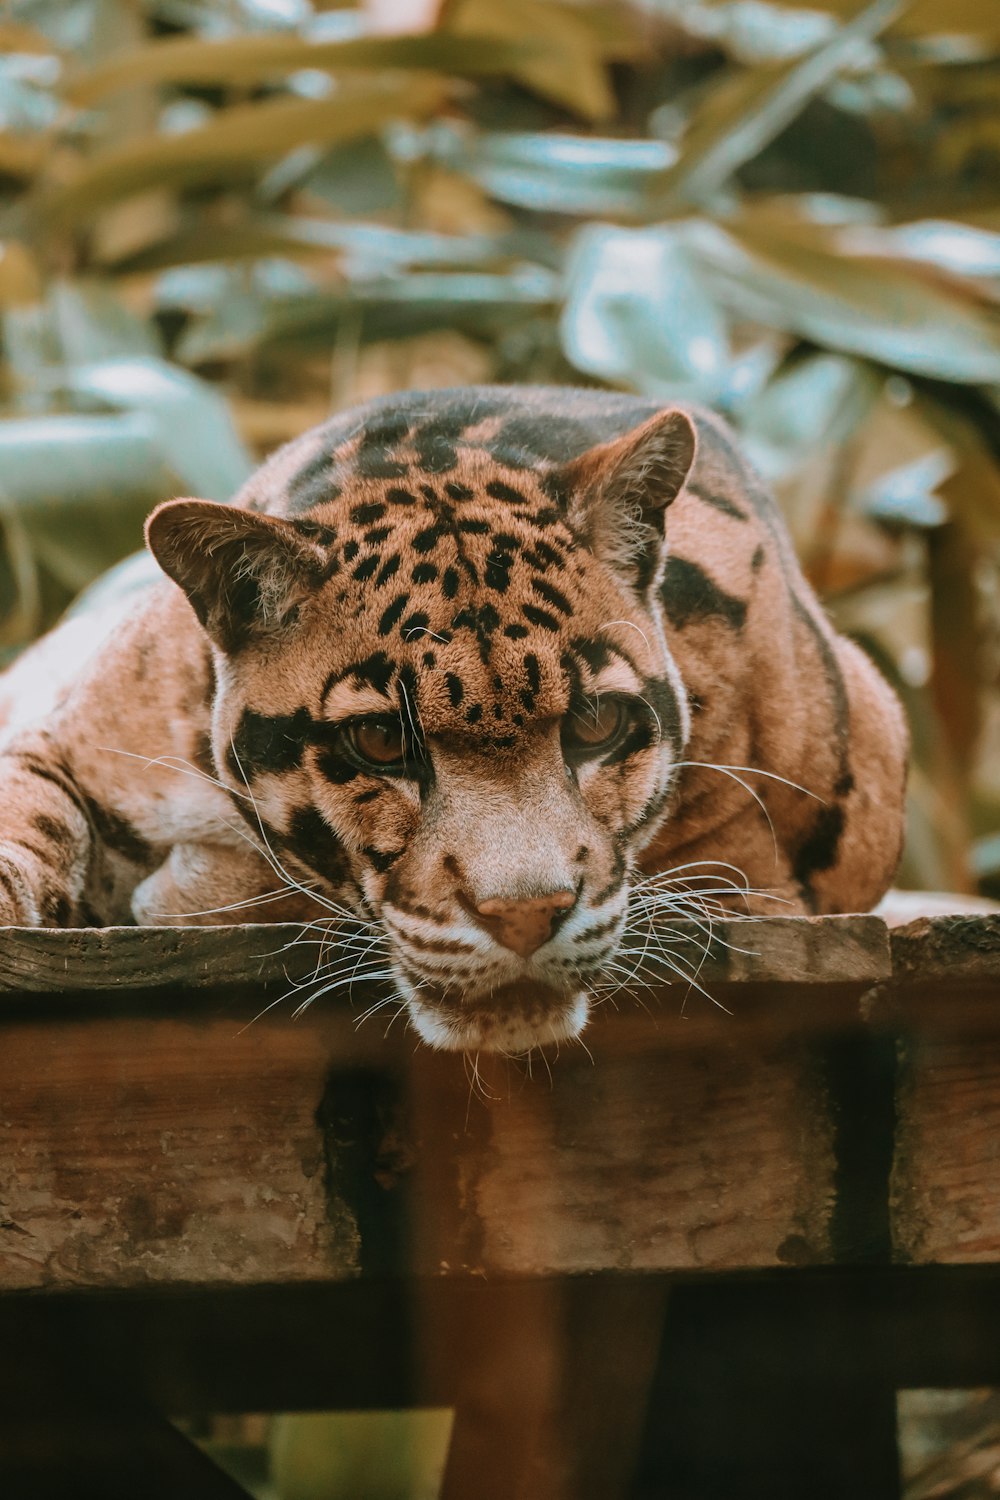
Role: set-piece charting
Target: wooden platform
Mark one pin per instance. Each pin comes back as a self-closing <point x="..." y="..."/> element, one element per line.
<point x="200" y="1210"/>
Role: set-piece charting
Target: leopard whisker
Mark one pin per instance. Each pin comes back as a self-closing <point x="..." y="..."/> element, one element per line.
<point x="175" y="763"/>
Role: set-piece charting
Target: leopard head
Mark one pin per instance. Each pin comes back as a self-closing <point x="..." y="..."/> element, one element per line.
<point x="451" y="698"/>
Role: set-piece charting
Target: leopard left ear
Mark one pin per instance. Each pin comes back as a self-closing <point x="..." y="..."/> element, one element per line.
<point x="245" y="574"/>
<point x="618" y="493"/>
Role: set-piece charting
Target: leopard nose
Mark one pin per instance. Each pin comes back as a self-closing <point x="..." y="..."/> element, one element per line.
<point x="523" y="926"/>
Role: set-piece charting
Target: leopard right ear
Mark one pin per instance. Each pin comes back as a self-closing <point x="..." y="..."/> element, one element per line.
<point x="244" y="574"/>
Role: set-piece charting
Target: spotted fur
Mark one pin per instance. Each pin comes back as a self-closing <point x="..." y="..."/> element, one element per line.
<point x="491" y="577"/>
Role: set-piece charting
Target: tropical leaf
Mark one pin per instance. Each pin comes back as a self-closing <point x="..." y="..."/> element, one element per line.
<point x="865" y="306"/>
<point x="638" y="312"/>
<point x="256" y="57"/>
<point x="557" y="173"/>
<point x="243" y="134"/>
<point x="739" y="119"/>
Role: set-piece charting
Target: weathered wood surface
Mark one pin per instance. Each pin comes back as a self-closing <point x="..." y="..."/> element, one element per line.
<point x="149" y="1137"/>
<point x="945" y="1006"/>
<point x="792" y="950"/>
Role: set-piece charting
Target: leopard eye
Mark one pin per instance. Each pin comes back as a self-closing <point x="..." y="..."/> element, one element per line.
<point x="377" y="742"/>
<point x="594" y="726"/>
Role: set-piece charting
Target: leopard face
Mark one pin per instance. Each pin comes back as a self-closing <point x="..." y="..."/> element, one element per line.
<point x="447" y="701"/>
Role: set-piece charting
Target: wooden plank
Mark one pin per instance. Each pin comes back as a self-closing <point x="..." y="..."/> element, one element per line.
<point x="150" y="1138"/>
<point x="949" y="951"/>
<point x="711" y="1158"/>
<point x="944" y="1004"/>
<point x="169" y="1150"/>
<point x="137" y="1153"/>
<point x="946" y="1172"/>
<point x="790" y="950"/>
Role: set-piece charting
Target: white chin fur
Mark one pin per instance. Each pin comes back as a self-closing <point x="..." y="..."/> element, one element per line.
<point x="488" y="1031"/>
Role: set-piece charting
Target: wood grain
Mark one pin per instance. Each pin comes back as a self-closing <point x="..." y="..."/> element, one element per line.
<point x="149" y="1138"/>
<point x="821" y="950"/>
<point x="946" y="1172"/>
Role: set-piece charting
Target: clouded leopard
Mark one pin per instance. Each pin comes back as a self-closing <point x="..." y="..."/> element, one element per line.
<point x="483" y="670"/>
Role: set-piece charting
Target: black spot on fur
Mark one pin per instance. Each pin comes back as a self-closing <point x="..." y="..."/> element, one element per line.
<point x="388" y="570"/>
<point x="375" y="463"/>
<point x="721" y="503"/>
<point x="844" y="785"/>
<point x="506" y="541"/>
<point x="474" y="714"/>
<point x="540" y="617"/>
<point x="314" y="531"/>
<point x="474" y="527"/>
<point x="363" y="515"/>
<point x="377" y="535"/>
<point x="497" y="574"/>
<point x="417" y="622"/>
<point x="595" y="653"/>
<point x="365" y="569"/>
<point x="458" y="491"/>
<point x="542" y="554"/>
<point x="449" y="583"/>
<point x="506" y="492"/>
<point x="55" y="775"/>
<point x="456" y="690"/>
<point x="689" y="595"/>
<point x="552" y="596"/>
<point x="393" y="614"/>
<point x="398" y="496"/>
<point x="819" y="849"/>
<point x="382" y="859"/>
<point x="118" y="834"/>
<point x="270" y="742"/>
<point x="427" y="540"/>
<point x="369" y="796"/>
<point x="532" y="670"/>
<point x="425" y="572"/>
<point x="313" y="484"/>
<point x="435" y="454"/>
<point x="543" y="519"/>
<point x="373" y="671"/>
<point x="335" y="766"/>
<point x="55" y="830"/>
<point x="314" y="841"/>
<point x="516" y="632"/>
<point x="757" y="560"/>
<point x="351" y="550"/>
<point x="545" y="436"/>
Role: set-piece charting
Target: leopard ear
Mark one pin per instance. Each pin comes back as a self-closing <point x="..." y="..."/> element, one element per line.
<point x="245" y="574"/>
<point x="618" y="493"/>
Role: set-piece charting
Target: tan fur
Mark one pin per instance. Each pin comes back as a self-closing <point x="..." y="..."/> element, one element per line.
<point x="487" y="570"/>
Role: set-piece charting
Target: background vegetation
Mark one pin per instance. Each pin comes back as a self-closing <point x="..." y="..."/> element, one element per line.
<point x="221" y="217"/>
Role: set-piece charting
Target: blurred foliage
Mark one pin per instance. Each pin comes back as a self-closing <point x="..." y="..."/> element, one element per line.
<point x="221" y="217"/>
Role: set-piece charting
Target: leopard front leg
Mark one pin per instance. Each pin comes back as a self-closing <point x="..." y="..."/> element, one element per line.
<point x="46" y="836"/>
<point x="205" y="885"/>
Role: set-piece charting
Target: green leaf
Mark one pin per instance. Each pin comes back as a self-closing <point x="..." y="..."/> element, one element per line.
<point x="194" y="432"/>
<point x="907" y="496"/>
<point x="555" y="173"/>
<point x="815" y="402"/>
<point x="374" y="246"/>
<point x="480" y="304"/>
<point x="960" y="249"/>
<point x="637" y="312"/>
<point x="739" y="119"/>
<point x="877" y="309"/>
<point x="244" y="134"/>
<point x="253" y="58"/>
<point x="78" y="487"/>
